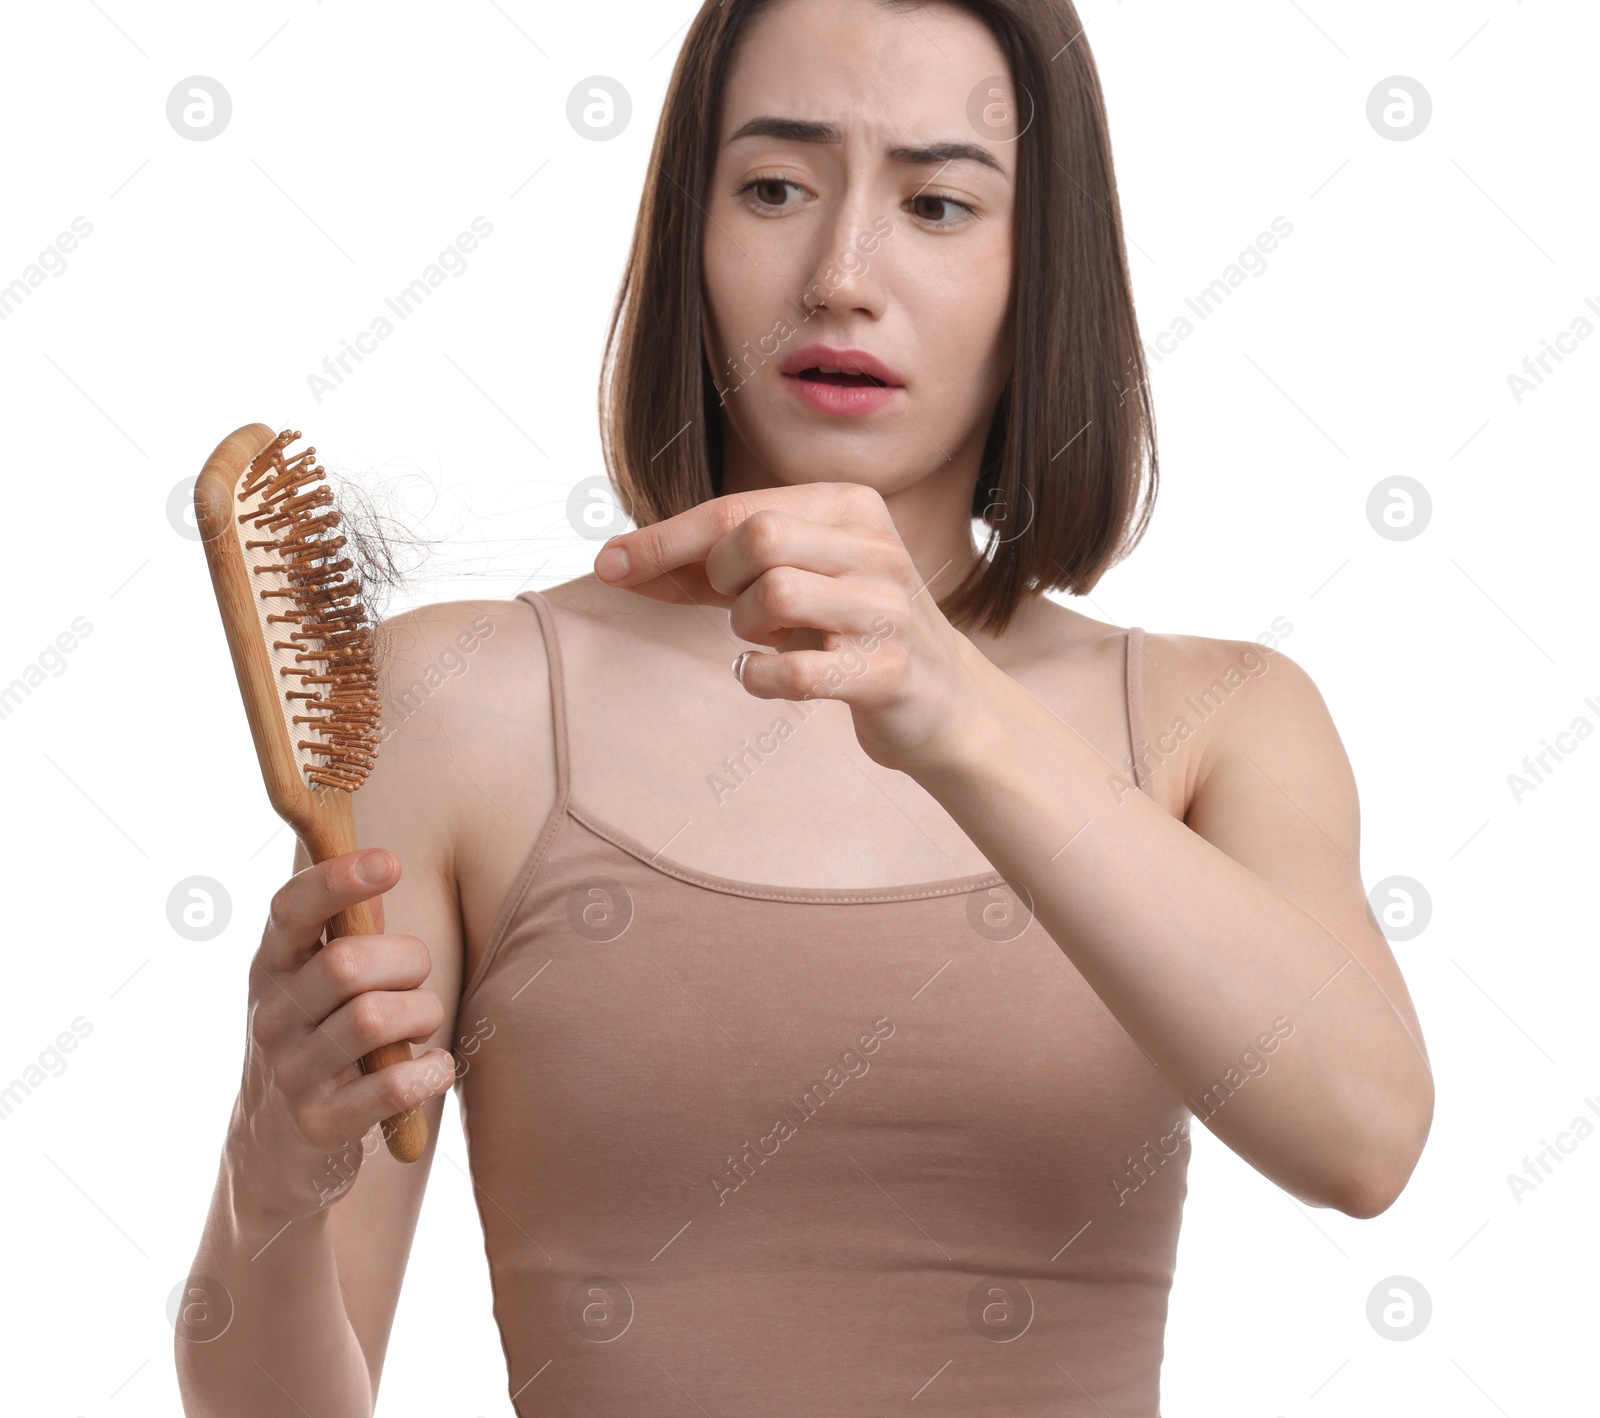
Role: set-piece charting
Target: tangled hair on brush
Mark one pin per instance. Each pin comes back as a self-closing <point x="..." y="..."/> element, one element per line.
<point x="385" y="553"/>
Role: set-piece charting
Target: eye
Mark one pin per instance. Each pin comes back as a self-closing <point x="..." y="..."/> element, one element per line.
<point x="938" y="201"/>
<point x="772" y="186"/>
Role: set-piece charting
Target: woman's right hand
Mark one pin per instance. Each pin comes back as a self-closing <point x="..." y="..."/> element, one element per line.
<point x="296" y="1140"/>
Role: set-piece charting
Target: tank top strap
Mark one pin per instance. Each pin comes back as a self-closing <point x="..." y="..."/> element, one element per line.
<point x="558" y="694"/>
<point x="1135" y="687"/>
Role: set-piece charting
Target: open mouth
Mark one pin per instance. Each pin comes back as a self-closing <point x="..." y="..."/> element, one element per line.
<point x="842" y="379"/>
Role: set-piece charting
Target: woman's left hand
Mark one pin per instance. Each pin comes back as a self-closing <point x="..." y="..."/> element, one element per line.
<point x="819" y="573"/>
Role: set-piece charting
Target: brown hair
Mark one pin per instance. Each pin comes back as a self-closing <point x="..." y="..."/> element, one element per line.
<point x="1066" y="443"/>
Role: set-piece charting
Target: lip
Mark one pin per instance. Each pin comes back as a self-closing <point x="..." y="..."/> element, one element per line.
<point x="835" y="357"/>
<point x="840" y="399"/>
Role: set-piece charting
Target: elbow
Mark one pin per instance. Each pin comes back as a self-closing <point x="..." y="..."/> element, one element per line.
<point x="1375" y="1186"/>
<point x="1369" y="1197"/>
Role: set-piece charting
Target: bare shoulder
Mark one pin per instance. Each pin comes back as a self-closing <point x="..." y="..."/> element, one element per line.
<point x="465" y="699"/>
<point x="429" y="660"/>
<point x="1271" y="785"/>
<point x="470" y="680"/>
<point x="1216" y="705"/>
<point x="587" y="606"/>
<point x="438" y="658"/>
<point x="438" y="643"/>
<point x="468" y="727"/>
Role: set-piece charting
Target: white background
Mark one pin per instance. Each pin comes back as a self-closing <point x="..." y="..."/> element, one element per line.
<point x="1377" y="342"/>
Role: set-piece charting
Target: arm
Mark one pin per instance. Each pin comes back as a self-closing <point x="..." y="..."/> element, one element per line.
<point x="1201" y="937"/>
<point x="311" y="1220"/>
<point x="1198" y="936"/>
<point x="312" y="1299"/>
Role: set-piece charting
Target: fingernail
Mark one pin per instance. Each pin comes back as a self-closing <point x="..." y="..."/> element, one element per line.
<point x="612" y="564"/>
<point x="738" y="665"/>
<point x="373" y="868"/>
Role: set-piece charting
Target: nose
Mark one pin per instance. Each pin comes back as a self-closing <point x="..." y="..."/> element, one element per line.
<point x="844" y="277"/>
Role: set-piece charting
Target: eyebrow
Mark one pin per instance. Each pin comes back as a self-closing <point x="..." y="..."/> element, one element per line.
<point x="802" y="130"/>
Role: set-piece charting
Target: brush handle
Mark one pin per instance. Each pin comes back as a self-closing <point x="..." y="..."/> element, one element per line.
<point x="331" y="833"/>
<point x="321" y="817"/>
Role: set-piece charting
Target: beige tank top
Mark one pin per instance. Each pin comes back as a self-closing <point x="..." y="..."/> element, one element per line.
<point x="753" y="1150"/>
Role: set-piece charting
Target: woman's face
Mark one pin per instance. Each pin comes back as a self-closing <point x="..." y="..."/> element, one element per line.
<point x="845" y="236"/>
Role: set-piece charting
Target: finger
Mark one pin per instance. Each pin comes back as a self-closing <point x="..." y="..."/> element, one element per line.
<point x="771" y="538"/>
<point x="804" y="674"/>
<point x="686" y="586"/>
<point x="354" y="964"/>
<point x="370" y="1098"/>
<point x="309" y="899"/>
<point x="788" y="597"/>
<point x="368" y="1022"/>
<point x="677" y="543"/>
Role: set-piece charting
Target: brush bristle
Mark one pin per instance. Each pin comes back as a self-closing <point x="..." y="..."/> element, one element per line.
<point x="316" y="626"/>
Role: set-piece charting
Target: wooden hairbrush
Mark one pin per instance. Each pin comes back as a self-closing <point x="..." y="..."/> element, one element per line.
<point x="302" y="647"/>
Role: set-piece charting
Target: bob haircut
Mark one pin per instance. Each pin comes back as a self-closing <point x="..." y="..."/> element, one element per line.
<point x="1068" y="473"/>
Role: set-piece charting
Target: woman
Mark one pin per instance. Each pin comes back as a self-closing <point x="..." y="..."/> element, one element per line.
<point x="828" y="1035"/>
